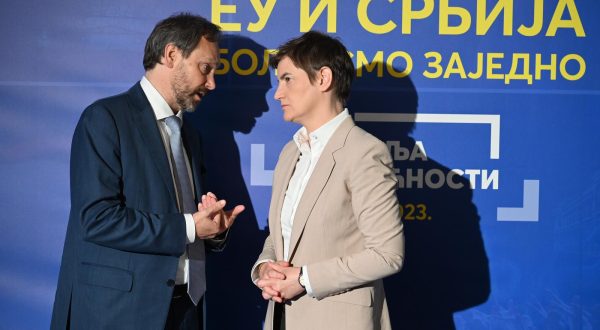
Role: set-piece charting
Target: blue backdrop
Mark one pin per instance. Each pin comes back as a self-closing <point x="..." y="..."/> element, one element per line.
<point x="489" y="108"/>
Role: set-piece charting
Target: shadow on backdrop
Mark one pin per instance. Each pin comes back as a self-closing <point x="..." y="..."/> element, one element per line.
<point x="232" y="301"/>
<point x="446" y="267"/>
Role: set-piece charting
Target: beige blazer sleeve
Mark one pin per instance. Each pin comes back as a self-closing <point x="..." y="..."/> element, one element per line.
<point x="369" y="210"/>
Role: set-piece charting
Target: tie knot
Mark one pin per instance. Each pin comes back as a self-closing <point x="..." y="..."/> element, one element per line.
<point x="174" y="123"/>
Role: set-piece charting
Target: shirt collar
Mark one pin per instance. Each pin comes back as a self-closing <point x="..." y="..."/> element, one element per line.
<point x="160" y="107"/>
<point x="319" y="138"/>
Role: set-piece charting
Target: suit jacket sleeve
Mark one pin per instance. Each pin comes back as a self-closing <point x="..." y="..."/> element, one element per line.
<point x="97" y="193"/>
<point x="372" y="185"/>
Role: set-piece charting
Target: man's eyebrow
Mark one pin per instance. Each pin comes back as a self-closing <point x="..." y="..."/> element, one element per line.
<point x="211" y="62"/>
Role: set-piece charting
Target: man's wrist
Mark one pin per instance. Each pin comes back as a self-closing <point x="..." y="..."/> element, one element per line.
<point x="190" y="228"/>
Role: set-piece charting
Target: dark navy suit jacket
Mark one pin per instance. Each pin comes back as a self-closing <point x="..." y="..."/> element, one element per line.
<point x="125" y="234"/>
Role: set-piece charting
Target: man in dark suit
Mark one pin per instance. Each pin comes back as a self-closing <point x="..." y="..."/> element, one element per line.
<point x="134" y="254"/>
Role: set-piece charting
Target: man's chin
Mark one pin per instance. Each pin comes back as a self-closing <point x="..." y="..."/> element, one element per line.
<point x="192" y="106"/>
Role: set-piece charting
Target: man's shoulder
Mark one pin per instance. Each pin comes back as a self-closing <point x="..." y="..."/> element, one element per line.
<point x="118" y="100"/>
<point x="112" y="106"/>
<point x="113" y="99"/>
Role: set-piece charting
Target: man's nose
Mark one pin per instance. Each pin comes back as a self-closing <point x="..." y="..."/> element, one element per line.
<point x="210" y="82"/>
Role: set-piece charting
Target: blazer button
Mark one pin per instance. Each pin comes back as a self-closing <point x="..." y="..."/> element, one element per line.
<point x="171" y="282"/>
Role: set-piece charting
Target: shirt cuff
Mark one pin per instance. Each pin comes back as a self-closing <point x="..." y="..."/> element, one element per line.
<point x="254" y="272"/>
<point x="307" y="286"/>
<point x="190" y="228"/>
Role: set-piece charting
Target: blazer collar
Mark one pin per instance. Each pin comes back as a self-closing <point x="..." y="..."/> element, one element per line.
<point x="316" y="183"/>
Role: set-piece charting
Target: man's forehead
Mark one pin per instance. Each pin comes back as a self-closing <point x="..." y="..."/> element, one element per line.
<point x="208" y="51"/>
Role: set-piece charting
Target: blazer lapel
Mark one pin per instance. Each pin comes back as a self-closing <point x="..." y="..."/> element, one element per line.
<point x="317" y="182"/>
<point x="145" y="122"/>
<point x="288" y="163"/>
<point x="194" y="152"/>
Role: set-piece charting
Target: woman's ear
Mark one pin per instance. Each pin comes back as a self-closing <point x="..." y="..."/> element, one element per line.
<point x="325" y="78"/>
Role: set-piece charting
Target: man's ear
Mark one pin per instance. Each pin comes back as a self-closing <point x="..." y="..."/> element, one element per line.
<point x="170" y="54"/>
<point x="325" y="78"/>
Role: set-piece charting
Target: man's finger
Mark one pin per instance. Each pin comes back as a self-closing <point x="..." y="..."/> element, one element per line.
<point x="232" y="214"/>
<point x="237" y="210"/>
<point x="214" y="208"/>
<point x="210" y="200"/>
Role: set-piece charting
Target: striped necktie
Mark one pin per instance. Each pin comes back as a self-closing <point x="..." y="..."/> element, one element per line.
<point x="196" y="254"/>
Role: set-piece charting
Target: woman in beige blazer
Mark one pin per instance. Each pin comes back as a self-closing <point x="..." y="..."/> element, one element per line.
<point x="335" y="228"/>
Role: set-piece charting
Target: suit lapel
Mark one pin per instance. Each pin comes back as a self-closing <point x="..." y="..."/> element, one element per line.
<point x="288" y="163"/>
<point x="317" y="182"/>
<point x="194" y="152"/>
<point x="145" y="122"/>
